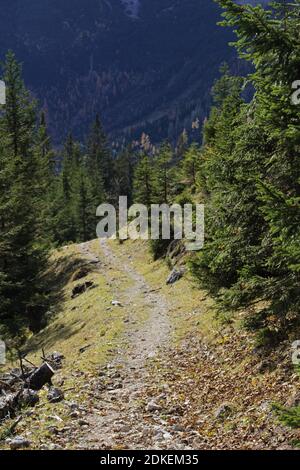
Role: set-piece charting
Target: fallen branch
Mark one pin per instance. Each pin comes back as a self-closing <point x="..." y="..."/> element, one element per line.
<point x="19" y="387"/>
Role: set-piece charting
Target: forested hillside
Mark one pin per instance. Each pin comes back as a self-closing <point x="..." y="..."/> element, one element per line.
<point x="149" y="73"/>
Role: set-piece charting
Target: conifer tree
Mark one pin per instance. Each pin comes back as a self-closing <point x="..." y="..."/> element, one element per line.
<point x="85" y="208"/>
<point x="182" y="145"/>
<point x="47" y="178"/>
<point x="6" y="230"/>
<point x="191" y="164"/>
<point x="23" y="250"/>
<point x="65" y="229"/>
<point x="144" y="181"/>
<point x="163" y="174"/>
<point x="99" y="161"/>
<point x="124" y="172"/>
<point x="251" y="174"/>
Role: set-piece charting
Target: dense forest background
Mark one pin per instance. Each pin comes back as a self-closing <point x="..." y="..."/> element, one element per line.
<point x="246" y="172"/>
<point x="151" y="73"/>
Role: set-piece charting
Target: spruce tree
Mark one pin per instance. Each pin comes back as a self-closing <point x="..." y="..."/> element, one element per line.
<point x="23" y="251"/>
<point x="190" y="165"/>
<point x="163" y="174"/>
<point x="251" y="176"/>
<point x="124" y="173"/>
<point x="99" y="161"/>
<point x="86" y="206"/>
<point x="46" y="159"/>
<point x="65" y="229"/>
<point x="144" y="191"/>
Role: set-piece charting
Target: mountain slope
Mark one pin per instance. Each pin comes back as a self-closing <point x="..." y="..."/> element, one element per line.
<point x="160" y="372"/>
<point x="145" y="65"/>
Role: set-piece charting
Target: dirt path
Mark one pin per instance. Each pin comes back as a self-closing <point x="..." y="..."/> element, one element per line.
<point x="156" y="394"/>
<point x="127" y="417"/>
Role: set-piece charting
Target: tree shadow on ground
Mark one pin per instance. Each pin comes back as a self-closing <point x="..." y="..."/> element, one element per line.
<point x="61" y="272"/>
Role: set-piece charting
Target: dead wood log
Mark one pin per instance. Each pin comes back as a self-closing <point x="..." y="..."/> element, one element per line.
<point x="41" y="377"/>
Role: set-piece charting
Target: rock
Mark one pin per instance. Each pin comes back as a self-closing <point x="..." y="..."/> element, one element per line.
<point x="57" y="356"/>
<point x="125" y="429"/>
<point x="266" y="406"/>
<point x="178" y="428"/>
<point x="175" y="275"/>
<point x="54" y="447"/>
<point x="152" y="406"/>
<point x="83" y="422"/>
<point x="43" y="447"/>
<point x="73" y="406"/>
<point x="29" y="397"/>
<point x="114" y="386"/>
<point x="151" y="355"/>
<point x="4" y="407"/>
<point x="8" y="404"/>
<point x="18" y="443"/>
<point x="14" y="378"/>
<point x="55" y="395"/>
<point x="81" y="288"/>
<point x="223" y="411"/>
<point x="55" y="359"/>
<point x="116" y="375"/>
<point x="116" y="303"/>
<point x="53" y="430"/>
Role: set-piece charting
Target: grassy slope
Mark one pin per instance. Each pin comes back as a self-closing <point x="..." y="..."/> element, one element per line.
<point x="86" y="320"/>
